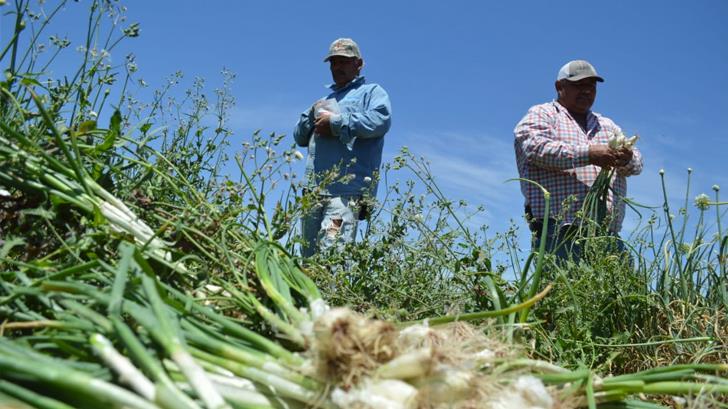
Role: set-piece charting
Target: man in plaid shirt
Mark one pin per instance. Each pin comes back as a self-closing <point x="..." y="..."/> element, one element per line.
<point x="562" y="145"/>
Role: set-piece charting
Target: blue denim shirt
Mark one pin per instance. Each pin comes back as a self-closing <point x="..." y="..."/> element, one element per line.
<point x="356" y="147"/>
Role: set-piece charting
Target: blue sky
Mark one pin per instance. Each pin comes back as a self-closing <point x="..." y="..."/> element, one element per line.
<point x="460" y="74"/>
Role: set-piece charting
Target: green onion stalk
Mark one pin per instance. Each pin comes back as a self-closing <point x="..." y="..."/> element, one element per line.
<point x="17" y="367"/>
<point x="368" y="363"/>
<point x="593" y="213"/>
<point x="29" y="167"/>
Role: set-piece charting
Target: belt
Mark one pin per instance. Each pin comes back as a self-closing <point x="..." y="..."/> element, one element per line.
<point x="536" y="225"/>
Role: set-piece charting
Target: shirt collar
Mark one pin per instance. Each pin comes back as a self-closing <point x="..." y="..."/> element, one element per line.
<point x="356" y="81"/>
<point x="591" y="119"/>
<point x="560" y="107"/>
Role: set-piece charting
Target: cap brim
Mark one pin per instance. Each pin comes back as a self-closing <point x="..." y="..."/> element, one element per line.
<point x="581" y="77"/>
<point x="328" y="57"/>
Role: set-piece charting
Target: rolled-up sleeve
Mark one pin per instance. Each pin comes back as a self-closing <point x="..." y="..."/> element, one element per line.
<point x="535" y="140"/>
<point x="372" y="122"/>
<point x="304" y="128"/>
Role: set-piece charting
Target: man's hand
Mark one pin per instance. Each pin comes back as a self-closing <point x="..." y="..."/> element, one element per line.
<point x="323" y="124"/>
<point x="624" y="155"/>
<point x="604" y="156"/>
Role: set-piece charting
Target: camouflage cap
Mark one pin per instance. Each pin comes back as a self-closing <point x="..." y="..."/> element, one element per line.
<point x="345" y="47"/>
<point x="578" y="70"/>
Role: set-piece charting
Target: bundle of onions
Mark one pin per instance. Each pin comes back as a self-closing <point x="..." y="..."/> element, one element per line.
<point x="593" y="213"/>
<point x="30" y="167"/>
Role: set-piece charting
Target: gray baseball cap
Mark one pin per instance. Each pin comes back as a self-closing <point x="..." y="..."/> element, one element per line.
<point x="578" y="70"/>
<point x="345" y="47"/>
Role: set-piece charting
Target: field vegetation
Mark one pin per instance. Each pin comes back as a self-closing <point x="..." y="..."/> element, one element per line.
<point x="138" y="271"/>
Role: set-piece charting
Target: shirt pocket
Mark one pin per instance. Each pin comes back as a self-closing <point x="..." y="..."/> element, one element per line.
<point x="351" y="103"/>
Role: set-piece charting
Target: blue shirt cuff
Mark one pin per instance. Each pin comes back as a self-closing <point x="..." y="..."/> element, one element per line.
<point x="340" y="129"/>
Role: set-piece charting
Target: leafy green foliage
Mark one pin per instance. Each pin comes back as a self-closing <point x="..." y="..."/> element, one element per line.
<point x="419" y="255"/>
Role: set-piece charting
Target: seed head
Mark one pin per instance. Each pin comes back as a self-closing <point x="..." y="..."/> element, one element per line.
<point x="716" y="188"/>
<point x="662" y="172"/>
<point x="132" y="31"/>
<point x="702" y="201"/>
<point x="298" y="155"/>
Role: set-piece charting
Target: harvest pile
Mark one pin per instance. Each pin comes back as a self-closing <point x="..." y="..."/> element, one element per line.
<point x="109" y="314"/>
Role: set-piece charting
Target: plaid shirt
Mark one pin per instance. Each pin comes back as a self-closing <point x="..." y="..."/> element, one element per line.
<point x="553" y="150"/>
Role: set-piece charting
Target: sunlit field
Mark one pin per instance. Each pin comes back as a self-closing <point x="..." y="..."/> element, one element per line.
<point x="147" y="261"/>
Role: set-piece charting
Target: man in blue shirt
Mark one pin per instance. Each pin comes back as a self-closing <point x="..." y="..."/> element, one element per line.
<point x="344" y="133"/>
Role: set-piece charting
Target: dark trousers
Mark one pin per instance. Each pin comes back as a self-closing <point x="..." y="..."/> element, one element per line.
<point x="561" y="241"/>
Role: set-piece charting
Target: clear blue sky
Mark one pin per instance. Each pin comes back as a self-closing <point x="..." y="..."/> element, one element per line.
<point x="461" y="74"/>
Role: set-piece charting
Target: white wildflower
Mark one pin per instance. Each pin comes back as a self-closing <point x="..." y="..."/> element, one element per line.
<point x="702" y="201"/>
<point x="367" y="179"/>
<point x="298" y="155"/>
<point x="93" y="114"/>
<point x="4" y="193"/>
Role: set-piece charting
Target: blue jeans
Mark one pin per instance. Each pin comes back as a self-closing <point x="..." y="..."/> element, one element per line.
<point x="330" y="222"/>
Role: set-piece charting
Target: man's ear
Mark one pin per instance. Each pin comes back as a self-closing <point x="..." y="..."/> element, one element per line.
<point x="360" y="64"/>
<point x="559" y="87"/>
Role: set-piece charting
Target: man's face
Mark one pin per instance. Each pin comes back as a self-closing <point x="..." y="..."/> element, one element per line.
<point x="344" y="69"/>
<point x="577" y="96"/>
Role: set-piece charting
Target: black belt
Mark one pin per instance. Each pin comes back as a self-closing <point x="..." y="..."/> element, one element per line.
<point x="536" y="225"/>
